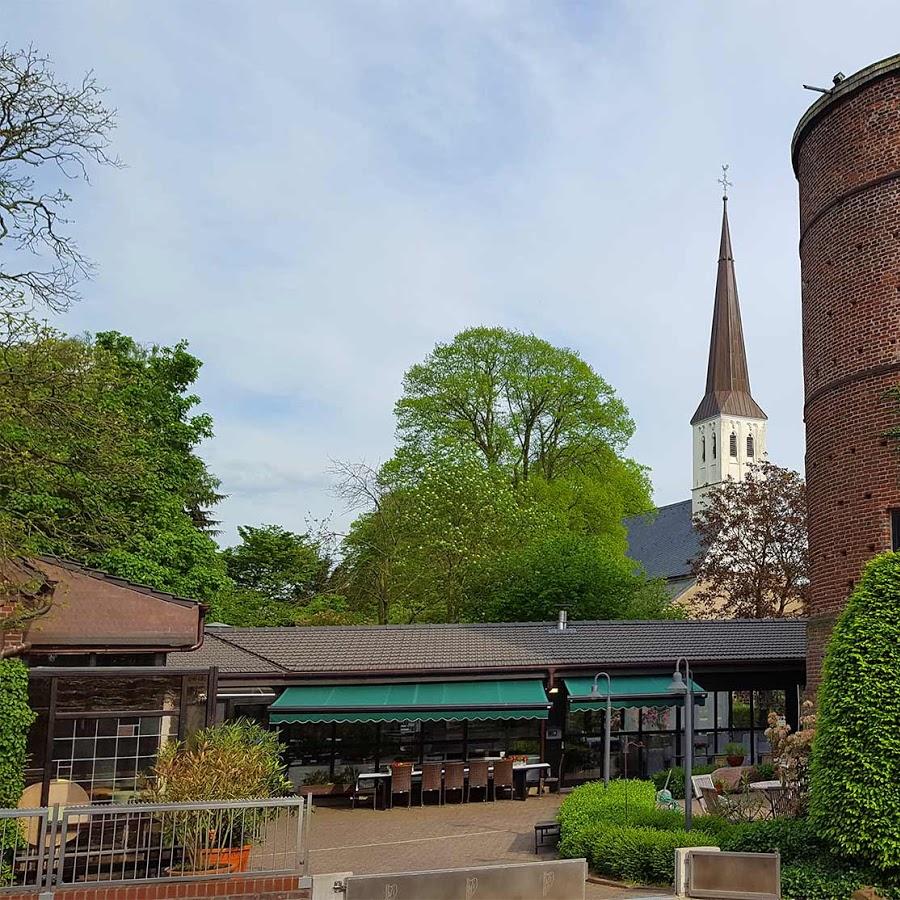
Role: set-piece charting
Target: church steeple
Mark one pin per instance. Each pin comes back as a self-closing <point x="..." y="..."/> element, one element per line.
<point x="727" y="378"/>
<point x="729" y="425"/>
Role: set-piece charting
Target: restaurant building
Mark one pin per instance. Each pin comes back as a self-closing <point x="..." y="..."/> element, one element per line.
<point x="98" y="681"/>
<point x="364" y="696"/>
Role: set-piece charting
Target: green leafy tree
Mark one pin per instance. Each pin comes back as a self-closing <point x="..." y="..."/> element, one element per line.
<point x="281" y="564"/>
<point x="526" y="407"/>
<point x="855" y="766"/>
<point x="98" y="461"/>
<point x="281" y="578"/>
<point x="563" y="570"/>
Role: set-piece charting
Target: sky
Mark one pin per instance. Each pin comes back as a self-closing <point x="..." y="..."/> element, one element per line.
<point x="315" y="193"/>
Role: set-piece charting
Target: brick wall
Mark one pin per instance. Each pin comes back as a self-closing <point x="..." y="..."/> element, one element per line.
<point x="848" y="168"/>
<point x="264" y="887"/>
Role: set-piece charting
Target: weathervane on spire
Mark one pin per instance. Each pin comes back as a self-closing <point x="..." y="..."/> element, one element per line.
<point x="725" y="182"/>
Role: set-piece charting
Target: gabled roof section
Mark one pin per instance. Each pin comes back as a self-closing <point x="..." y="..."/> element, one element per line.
<point x="391" y="650"/>
<point x="93" y="611"/>
<point x="727" y="377"/>
<point x="664" y="542"/>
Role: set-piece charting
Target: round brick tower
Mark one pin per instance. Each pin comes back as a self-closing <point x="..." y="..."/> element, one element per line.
<point x="846" y="155"/>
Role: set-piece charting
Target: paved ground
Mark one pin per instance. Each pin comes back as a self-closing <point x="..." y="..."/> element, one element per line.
<point x="364" y="841"/>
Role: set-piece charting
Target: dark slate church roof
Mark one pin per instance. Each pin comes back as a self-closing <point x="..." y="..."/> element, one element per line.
<point x="664" y="542"/>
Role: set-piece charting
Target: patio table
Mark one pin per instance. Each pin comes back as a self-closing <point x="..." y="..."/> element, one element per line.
<point x="520" y="771"/>
<point x="772" y="790"/>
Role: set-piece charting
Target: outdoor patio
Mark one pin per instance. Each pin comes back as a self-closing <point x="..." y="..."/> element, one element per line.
<point x="436" y="837"/>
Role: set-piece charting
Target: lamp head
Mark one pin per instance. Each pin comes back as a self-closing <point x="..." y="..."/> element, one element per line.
<point x="677" y="685"/>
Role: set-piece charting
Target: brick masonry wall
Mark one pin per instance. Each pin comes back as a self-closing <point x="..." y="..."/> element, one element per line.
<point x="264" y="887"/>
<point x="848" y="168"/>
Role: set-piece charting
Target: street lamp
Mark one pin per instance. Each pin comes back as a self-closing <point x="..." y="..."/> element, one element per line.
<point x="606" y="723"/>
<point x="682" y="686"/>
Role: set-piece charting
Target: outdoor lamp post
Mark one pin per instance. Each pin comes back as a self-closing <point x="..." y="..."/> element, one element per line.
<point x="607" y="722"/>
<point x="682" y="685"/>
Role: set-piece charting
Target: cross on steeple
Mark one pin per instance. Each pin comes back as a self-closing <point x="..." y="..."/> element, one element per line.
<point x="725" y="182"/>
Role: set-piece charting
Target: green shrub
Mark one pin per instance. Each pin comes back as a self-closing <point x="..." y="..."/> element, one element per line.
<point x="829" y="881"/>
<point x="714" y="825"/>
<point x="764" y="772"/>
<point x="591" y="805"/>
<point x="676" y="782"/>
<point x="662" y="819"/>
<point x="855" y="766"/>
<point x="644" y="855"/>
<point x="794" y="839"/>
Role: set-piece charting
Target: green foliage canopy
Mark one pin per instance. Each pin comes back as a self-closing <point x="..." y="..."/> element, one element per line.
<point x="855" y="766"/>
<point x="98" y="459"/>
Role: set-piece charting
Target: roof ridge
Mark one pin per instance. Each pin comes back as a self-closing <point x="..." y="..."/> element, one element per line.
<point x="265" y="659"/>
<point x="479" y="626"/>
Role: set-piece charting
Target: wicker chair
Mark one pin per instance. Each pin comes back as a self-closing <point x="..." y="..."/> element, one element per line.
<point x="478" y="778"/>
<point x="503" y="777"/>
<point x="431" y="781"/>
<point x="401" y="781"/>
<point x="455" y="779"/>
<point x="361" y="794"/>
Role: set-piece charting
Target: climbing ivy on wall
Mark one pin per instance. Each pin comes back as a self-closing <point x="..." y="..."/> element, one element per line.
<point x="855" y="768"/>
<point x="16" y="717"/>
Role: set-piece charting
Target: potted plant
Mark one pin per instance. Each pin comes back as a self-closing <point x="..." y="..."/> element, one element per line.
<point x="735" y="754"/>
<point x="237" y="760"/>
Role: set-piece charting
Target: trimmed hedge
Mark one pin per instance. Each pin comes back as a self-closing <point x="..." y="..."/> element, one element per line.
<point x="794" y="839"/>
<point x="855" y="765"/>
<point x="634" y="840"/>
<point x="808" y="870"/>
<point x="643" y="855"/>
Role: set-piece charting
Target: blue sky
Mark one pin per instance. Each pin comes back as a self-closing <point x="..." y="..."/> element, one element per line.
<point x="316" y="193"/>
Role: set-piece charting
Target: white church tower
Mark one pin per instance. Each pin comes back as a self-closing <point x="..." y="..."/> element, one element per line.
<point x="729" y="425"/>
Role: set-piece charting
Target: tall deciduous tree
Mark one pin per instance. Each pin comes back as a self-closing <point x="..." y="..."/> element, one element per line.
<point x="98" y="461"/>
<point x="285" y="566"/>
<point x="753" y="561"/>
<point x="525" y="406"/>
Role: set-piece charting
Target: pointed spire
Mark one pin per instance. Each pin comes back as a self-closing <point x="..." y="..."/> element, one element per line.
<point x="727" y="378"/>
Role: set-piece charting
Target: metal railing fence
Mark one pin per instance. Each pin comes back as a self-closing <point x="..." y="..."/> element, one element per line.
<point x="148" y="842"/>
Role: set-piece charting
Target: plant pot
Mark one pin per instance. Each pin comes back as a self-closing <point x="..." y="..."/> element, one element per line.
<point x="188" y="871"/>
<point x="318" y="790"/>
<point x="735" y="761"/>
<point x="236" y="858"/>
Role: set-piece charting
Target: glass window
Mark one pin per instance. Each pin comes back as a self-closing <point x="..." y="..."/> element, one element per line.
<point x="400" y="742"/>
<point x="659" y="718"/>
<point x="702" y="449"/>
<point x="309" y="746"/>
<point x="714" y="445"/>
<point x="732" y="444"/>
<point x="442" y="741"/>
<point x="750" y="446"/>
<point x="721" y="709"/>
<point x="355" y="748"/>
<point x="520" y="737"/>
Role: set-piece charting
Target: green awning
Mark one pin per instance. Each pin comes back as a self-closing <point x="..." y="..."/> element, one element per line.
<point x="628" y="691"/>
<point x="425" y="701"/>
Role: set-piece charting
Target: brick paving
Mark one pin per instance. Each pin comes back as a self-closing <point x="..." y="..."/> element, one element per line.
<point x="365" y="841"/>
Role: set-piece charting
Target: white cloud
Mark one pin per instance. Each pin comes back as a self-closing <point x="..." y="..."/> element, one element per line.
<point x="316" y="193"/>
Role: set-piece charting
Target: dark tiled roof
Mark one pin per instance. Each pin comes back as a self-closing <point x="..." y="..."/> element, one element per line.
<point x="664" y="542"/>
<point x="418" y="648"/>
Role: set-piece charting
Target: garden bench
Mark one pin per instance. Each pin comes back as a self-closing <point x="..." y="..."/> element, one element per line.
<point x="544" y="830"/>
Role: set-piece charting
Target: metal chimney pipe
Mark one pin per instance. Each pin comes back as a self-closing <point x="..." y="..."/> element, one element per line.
<point x="562" y="624"/>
